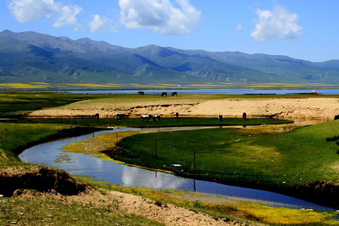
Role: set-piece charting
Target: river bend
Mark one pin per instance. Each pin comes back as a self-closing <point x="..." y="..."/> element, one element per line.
<point x="51" y="154"/>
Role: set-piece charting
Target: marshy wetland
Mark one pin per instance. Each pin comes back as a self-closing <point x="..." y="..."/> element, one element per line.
<point x="286" y="158"/>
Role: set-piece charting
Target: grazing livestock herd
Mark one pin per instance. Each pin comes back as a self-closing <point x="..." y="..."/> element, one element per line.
<point x="147" y="117"/>
<point x="156" y="118"/>
<point x="163" y="94"/>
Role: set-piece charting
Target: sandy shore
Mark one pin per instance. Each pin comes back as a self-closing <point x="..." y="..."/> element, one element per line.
<point x="323" y="109"/>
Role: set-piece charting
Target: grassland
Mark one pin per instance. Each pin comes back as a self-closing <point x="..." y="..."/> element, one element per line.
<point x="19" y="102"/>
<point x="41" y="208"/>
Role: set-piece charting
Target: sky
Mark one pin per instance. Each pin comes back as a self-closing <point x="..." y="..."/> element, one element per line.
<point x="301" y="29"/>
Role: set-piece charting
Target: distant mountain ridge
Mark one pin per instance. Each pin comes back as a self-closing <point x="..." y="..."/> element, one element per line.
<point x="34" y="57"/>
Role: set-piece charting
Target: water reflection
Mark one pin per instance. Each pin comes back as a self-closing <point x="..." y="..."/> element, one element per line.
<point x="134" y="177"/>
<point x="51" y="154"/>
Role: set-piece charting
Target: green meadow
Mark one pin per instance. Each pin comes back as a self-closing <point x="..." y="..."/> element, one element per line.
<point x="19" y="102"/>
<point x="299" y="161"/>
<point x="242" y="155"/>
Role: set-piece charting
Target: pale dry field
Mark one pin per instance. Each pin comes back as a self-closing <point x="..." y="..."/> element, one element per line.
<point x="310" y="108"/>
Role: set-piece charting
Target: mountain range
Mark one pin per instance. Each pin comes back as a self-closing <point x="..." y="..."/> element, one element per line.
<point x="33" y="57"/>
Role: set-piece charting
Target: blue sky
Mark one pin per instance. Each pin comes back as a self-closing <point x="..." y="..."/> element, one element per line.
<point x="302" y="29"/>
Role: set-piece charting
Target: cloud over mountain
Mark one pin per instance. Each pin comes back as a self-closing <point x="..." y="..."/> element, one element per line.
<point x="100" y="23"/>
<point x="67" y="16"/>
<point x="167" y="17"/>
<point x="27" y="10"/>
<point x="163" y="16"/>
<point x="276" y="24"/>
<point x="160" y="15"/>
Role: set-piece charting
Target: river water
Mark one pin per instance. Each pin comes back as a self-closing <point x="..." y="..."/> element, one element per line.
<point x="210" y="91"/>
<point x="51" y="154"/>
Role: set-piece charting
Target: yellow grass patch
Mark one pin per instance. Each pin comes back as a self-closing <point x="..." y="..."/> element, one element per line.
<point x="33" y="85"/>
<point x="274" y="215"/>
<point x="142" y="86"/>
<point x="226" y="83"/>
<point x="319" y="84"/>
<point x="40" y="83"/>
<point x="288" y="85"/>
<point x="95" y="85"/>
<point x="212" y="85"/>
<point x="98" y="144"/>
<point x="268" y="85"/>
<point x="268" y="129"/>
<point x="160" y="86"/>
<point x="170" y="85"/>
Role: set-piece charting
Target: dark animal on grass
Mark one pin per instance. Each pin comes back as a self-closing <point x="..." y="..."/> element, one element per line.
<point x="174" y="94"/>
<point x="141" y="93"/>
<point x="220" y="117"/>
<point x="118" y="116"/>
<point x="96" y="115"/>
<point x="314" y="93"/>
<point x="336" y="117"/>
<point x="164" y="94"/>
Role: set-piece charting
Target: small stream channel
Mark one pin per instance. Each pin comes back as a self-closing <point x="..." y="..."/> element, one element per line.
<point x="51" y="154"/>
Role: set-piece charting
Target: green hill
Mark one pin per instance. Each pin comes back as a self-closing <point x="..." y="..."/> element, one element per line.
<point x="34" y="57"/>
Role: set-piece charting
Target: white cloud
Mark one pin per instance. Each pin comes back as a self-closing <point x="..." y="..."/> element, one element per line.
<point x="100" y="23"/>
<point x="239" y="27"/>
<point x="67" y="16"/>
<point x="160" y="15"/>
<point x="278" y="24"/>
<point x="28" y="10"/>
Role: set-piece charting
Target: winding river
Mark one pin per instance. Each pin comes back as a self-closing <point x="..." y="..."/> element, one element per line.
<point x="51" y="154"/>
